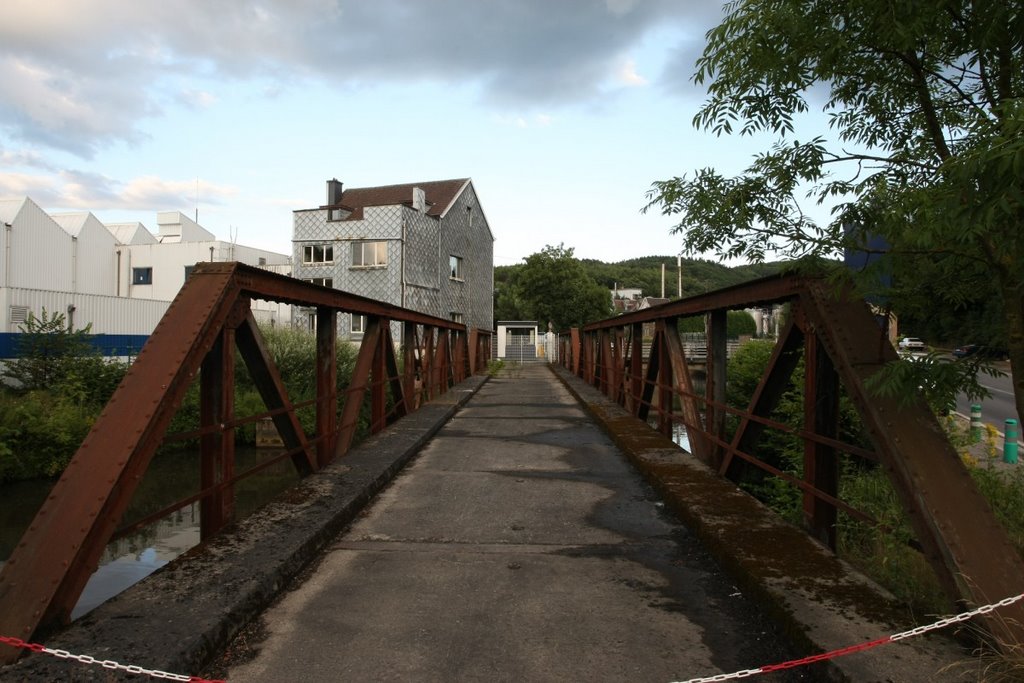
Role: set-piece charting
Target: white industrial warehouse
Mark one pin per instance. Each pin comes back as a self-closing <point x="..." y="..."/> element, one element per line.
<point x="118" y="278"/>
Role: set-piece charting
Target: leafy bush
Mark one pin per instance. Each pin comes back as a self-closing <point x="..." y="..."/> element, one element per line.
<point x="883" y="551"/>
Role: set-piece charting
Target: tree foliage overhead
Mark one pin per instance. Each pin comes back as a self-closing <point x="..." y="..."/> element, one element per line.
<point x="925" y="103"/>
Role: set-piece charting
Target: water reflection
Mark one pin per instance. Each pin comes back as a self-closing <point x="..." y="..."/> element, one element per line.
<point x="170" y="477"/>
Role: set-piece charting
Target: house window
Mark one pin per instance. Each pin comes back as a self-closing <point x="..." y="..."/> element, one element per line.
<point x="337" y="215"/>
<point x="455" y="266"/>
<point x="322" y="281"/>
<point x="369" y="254"/>
<point x="142" y="276"/>
<point x="318" y="253"/>
<point x="357" y="324"/>
<point x="458" y="318"/>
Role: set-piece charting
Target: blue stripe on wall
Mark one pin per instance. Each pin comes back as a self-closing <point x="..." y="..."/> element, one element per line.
<point x="106" y="344"/>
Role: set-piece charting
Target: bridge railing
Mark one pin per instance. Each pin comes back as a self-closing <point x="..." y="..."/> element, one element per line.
<point x="841" y="345"/>
<point x="196" y="341"/>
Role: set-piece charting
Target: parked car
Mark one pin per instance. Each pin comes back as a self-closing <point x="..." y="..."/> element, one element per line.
<point x="911" y="344"/>
<point x="989" y="352"/>
<point x="966" y="350"/>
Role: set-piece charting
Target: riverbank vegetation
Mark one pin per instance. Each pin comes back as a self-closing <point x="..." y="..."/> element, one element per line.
<point x="56" y="389"/>
<point x="883" y="550"/>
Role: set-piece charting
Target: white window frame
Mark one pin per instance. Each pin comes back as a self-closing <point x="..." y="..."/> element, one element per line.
<point x="311" y="256"/>
<point x="356" y="323"/>
<point x="322" y="281"/>
<point x="376" y="256"/>
<point x="457" y="317"/>
<point x="455" y="267"/>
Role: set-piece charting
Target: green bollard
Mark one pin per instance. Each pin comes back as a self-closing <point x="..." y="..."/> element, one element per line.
<point x="1010" y="442"/>
<point x="975" y="423"/>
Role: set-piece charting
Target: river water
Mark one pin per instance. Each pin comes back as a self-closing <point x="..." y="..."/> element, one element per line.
<point x="170" y="477"/>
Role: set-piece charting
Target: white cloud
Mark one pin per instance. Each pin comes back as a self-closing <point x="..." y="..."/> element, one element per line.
<point x="95" y="191"/>
<point x="197" y="99"/>
<point x="82" y="74"/>
<point x="627" y="75"/>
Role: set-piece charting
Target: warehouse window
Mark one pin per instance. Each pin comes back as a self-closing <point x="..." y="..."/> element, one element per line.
<point x="142" y="276"/>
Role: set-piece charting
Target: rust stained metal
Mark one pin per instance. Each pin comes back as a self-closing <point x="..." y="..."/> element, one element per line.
<point x="821" y="417"/>
<point x="271" y="388"/>
<point x="717" y="350"/>
<point x="765" y="398"/>
<point x="688" y="403"/>
<point x="217" y="448"/>
<point x="326" y="383"/>
<point x="955" y="525"/>
<point x="51" y="564"/>
<point x="210" y="316"/>
<point x="842" y="344"/>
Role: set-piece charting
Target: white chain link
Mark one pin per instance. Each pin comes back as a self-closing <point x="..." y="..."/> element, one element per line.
<point x="110" y="664"/>
<point x="942" y="623"/>
<point x="726" y="677"/>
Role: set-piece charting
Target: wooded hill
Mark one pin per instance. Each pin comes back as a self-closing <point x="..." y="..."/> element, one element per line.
<point x="699" y="276"/>
<point x="644" y="273"/>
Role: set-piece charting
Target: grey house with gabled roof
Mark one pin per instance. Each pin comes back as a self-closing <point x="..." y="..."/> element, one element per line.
<point x="425" y="246"/>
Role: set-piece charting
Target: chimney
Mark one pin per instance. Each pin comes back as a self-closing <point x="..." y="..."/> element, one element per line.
<point x="333" y="192"/>
<point x="419" y="199"/>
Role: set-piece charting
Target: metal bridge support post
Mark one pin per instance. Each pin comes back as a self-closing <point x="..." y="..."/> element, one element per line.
<point x="442" y="361"/>
<point x="473" y="349"/>
<point x="379" y="379"/>
<point x="217" y="448"/>
<point x="821" y="417"/>
<point x="349" y="420"/>
<point x="326" y="384"/>
<point x="605" y="363"/>
<point x="427" y="375"/>
<point x="717" y="360"/>
<point x="409" y="367"/>
<point x="574" y="335"/>
<point x="666" y="384"/>
<point x="636" y="368"/>
<point x="680" y="373"/>
<point x="619" y="368"/>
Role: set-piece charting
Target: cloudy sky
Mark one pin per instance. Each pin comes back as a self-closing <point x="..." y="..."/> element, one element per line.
<point x="562" y="112"/>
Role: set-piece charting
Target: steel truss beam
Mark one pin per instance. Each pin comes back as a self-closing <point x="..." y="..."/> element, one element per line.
<point x="206" y="322"/>
<point x="842" y="346"/>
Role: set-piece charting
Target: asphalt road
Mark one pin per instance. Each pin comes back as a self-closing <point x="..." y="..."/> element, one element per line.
<point x="1000" y="406"/>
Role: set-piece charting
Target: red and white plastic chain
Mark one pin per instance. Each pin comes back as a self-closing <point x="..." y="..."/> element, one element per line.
<point x="942" y="623"/>
<point x="105" y="663"/>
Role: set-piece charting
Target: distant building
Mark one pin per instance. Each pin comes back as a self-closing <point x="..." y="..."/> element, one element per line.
<point x="424" y="246"/>
<point x="119" y="278"/>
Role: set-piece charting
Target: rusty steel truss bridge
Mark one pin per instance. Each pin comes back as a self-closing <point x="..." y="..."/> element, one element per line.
<point x="834" y="334"/>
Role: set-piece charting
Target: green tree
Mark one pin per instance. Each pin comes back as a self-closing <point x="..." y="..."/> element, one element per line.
<point x="47" y="351"/>
<point x="553" y="286"/>
<point x="926" y="101"/>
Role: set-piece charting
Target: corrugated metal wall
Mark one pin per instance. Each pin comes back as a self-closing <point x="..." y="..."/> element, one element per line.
<point x="108" y="314"/>
<point x="40" y="251"/>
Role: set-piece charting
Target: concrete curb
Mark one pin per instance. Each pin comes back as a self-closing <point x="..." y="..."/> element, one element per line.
<point x="823" y="603"/>
<point x="179" y="618"/>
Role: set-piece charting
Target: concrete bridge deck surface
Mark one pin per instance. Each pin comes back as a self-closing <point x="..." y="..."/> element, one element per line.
<point x="518" y="545"/>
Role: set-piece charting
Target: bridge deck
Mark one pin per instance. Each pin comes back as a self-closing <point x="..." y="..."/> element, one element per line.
<point x="519" y="545"/>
